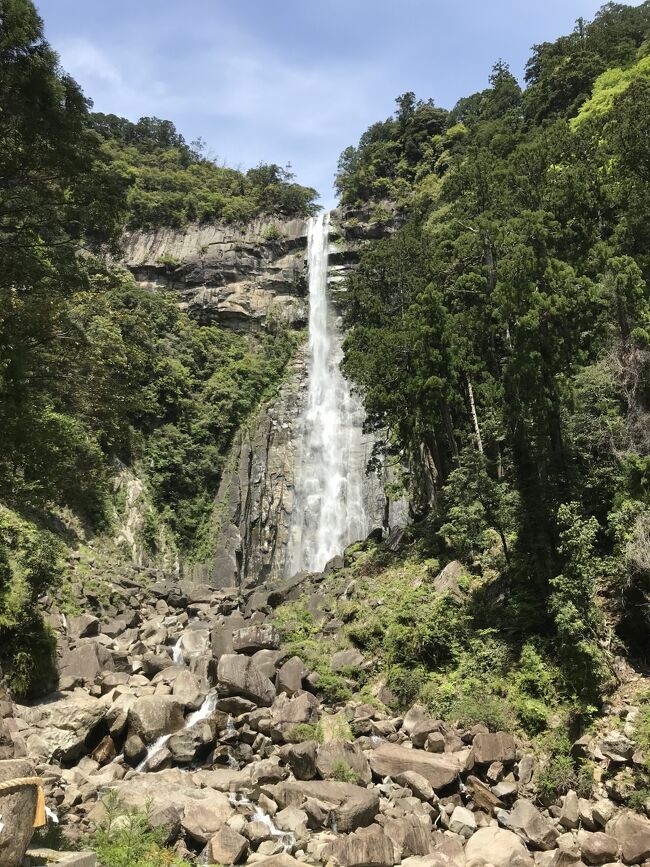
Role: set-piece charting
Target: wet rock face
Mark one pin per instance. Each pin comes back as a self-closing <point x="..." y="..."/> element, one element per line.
<point x="235" y="276"/>
<point x="255" y="498"/>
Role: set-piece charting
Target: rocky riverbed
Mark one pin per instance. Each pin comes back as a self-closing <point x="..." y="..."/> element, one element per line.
<point x="181" y="700"/>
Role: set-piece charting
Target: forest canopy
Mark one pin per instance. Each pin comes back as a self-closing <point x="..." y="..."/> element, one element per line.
<point x="499" y="332"/>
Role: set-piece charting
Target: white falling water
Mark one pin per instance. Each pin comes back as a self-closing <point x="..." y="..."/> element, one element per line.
<point x="330" y="509"/>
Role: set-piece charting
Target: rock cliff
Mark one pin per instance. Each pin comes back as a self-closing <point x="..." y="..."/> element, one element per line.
<point x="238" y="276"/>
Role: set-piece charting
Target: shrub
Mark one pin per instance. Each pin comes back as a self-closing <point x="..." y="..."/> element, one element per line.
<point x="126" y="839"/>
<point x="562" y="772"/>
<point x="305" y="732"/>
<point x="333" y="687"/>
<point x="342" y="772"/>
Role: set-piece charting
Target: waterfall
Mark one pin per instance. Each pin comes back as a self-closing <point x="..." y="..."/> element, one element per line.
<point x="331" y="491"/>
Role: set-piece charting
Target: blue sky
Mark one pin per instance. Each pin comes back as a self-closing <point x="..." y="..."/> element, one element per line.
<point x="291" y="80"/>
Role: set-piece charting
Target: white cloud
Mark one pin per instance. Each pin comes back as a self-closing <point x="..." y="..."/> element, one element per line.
<point x="242" y="96"/>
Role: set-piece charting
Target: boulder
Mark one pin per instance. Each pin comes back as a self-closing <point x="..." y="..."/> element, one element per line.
<point x="535" y="828"/>
<point x="187" y="690"/>
<point x="335" y="756"/>
<point x="350" y="806"/>
<point x="390" y="760"/>
<point x="83" y="626"/>
<point x="238" y="675"/>
<point x="17" y="807"/>
<point x="367" y="847"/>
<point x="462" y="822"/>
<point x="86" y="662"/>
<point x="202" y="821"/>
<point x="570" y="817"/>
<point x="447" y="580"/>
<point x="597" y="848"/>
<point x="63" y="729"/>
<point x="286" y="713"/>
<point x="152" y="716"/>
<point x="494" y="747"/>
<point x="226" y="847"/>
<point x="250" y="639"/>
<point x="290" y="676"/>
<point x="418" y="784"/>
<point x="195" y="642"/>
<point x="497" y="847"/>
<point x="346" y="659"/>
<point x="632" y="832"/>
<point x="301" y="758"/>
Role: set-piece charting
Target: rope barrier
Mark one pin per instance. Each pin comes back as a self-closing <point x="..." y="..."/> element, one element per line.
<point x="40" y="818"/>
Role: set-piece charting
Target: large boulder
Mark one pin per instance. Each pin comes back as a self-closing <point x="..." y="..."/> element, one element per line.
<point x="349" y="806"/>
<point x="367" y="847"/>
<point x="250" y="639"/>
<point x="202" y="820"/>
<point x="497" y="847"/>
<point x="287" y="713"/>
<point x="535" y="828"/>
<point x="391" y="760"/>
<point x="238" y="675"/>
<point x="338" y="757"/>
<point x="17" y="807"/>
<point x="227" y="847"/>
<point x="597" y="848"/>
<point x="152" y="716"/>
<point x="64" y="729"/>
<point x="494" y="747"/>
<point x="301" y="758"/>
<point x="86" y="662"/>
<point x="632" y="832"/>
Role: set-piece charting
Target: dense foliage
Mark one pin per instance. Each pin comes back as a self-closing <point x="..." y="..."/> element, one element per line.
<point x="93" y="368"/>
<point x="499" y="332"/>
<point x="172" y="183"/>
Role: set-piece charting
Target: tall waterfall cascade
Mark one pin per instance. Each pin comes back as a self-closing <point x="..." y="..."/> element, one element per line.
<point x="335" y="503"/>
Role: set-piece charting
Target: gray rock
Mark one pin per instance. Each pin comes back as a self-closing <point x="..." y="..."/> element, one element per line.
<point x="335" y="755"/>
<point x="535" y="828"/>
<point x="363" y="848"/>
<point x="569" y="817"/>
<point x="155" y="715"/>
<point x="447" y="580"/>
<point x="497" y="747"/>
<point x="462" y="822"/>
<point x="632" y="832"/>
<point x="290" y="676"/>
<point x="597" y="848"/>
<point x="86" y="662"/>
<point x="350" y="806"/>
<point x="418" y="784"/>
<point x="497" y="847"/>
<point x="227" y="847"/>
<point x="301" y="758"/>
<point x="83" y="626"/>
<point x="346" y="659"/>
<point x="250" y="639"/>
<point x="390" y="760"/>
<point x="238" y="675"/>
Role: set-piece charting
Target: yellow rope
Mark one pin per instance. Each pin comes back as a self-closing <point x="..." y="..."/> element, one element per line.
<point x="40" y="818"/>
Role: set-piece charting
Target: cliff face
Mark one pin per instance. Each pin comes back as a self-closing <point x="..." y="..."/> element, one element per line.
<point x="239" y="277"/>
<point x="255" y="498"/>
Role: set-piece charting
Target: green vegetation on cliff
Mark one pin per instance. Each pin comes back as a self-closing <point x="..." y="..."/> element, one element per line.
<point x="172" y="183"/>
<point x="93" y="369"/>
<point x="500" y="333"/>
